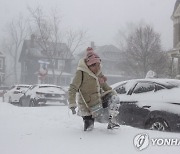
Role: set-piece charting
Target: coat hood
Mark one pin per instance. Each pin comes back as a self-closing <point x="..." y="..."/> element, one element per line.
<point x="83" y="67"/>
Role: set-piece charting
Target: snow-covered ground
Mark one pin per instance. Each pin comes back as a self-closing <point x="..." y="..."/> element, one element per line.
<point x="52" y="129"/>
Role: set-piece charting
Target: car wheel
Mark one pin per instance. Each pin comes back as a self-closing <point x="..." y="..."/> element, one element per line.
<point x="158" y="124"/>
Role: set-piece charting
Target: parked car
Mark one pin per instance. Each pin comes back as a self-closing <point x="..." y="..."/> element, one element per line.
<point x="150" y="103"/>
<point x="41" y="93"/>
<point x="3" y="90"/>
<point x="15" y="92"/>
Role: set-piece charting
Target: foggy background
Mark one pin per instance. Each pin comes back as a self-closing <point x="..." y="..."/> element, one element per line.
<point x="111" y="27"/>
<point x="101" y="18"/>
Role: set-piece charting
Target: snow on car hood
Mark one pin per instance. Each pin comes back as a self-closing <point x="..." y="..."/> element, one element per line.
<point x="53" y="90"/>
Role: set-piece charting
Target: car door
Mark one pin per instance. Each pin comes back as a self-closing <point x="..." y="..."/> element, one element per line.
<point x="141" y="107"/>
<point x="25" y="98"/>
<point x="16" y="94"/>
<point x="31" y="91"/>
<point x="125" y="111"/>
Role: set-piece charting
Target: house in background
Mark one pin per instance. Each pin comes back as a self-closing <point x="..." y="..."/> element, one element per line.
<point x="111" y="57"/>
<point x="175" y="52"/>
<point x="2" y="68"/>
<point x="36" y="64"/>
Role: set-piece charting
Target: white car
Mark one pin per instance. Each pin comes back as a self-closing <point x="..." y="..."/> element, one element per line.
<point x="150" y="103"/>
<point x="13" y="95"/>
<point x="41" y="93"/>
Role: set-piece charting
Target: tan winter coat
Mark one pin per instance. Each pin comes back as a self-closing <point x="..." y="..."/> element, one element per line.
<point x="90" y="88"/>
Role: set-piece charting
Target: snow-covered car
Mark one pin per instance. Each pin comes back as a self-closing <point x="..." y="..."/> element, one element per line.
<point x="150" y="103"/>
<point x="41" y="93"/>
<point x="15" y="92"/>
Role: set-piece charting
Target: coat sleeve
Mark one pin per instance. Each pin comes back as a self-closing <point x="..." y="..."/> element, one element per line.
<point x="73" y="89"/>
<point x="106" y="88"/>
<point x="104" y="84"/>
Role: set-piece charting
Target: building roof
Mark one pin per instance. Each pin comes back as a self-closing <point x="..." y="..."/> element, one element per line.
<point x="35" y="50"/>
<point x="108" y="52"/>
<point x="176" y="6"/>
<point x="105" y="52"/>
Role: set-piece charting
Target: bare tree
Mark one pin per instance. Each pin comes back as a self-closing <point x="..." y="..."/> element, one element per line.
<point x="144" y="53"/>
<point x="48" y="31"/>
<point x="15" y="35"/>
<point x="122" y="35"/>
<point x="76" y="39"/>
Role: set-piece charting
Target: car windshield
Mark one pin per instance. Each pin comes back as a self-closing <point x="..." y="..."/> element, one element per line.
<point x="23" y="86"/>
<point x="143" y="87"/>
<point x="47" y="87"/>
<point x="50" y="87"/>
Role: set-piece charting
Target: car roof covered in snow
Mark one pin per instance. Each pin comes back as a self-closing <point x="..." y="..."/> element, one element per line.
<point x="22" y="85"/>
<point x="48" y="85"/>
<point x="165" y="82"/>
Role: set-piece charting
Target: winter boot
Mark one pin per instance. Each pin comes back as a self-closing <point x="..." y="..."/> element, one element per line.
<point x="112" y="125"/>
<point x="88" y="125"/>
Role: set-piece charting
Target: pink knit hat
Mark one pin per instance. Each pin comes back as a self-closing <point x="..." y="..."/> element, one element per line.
<point x="91" y="57"/>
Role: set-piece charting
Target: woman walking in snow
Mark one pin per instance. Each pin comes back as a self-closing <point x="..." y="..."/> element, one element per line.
<point x="90" y="84"/>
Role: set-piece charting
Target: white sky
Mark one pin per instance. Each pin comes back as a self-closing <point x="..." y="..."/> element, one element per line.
<point x="102" y="18"/>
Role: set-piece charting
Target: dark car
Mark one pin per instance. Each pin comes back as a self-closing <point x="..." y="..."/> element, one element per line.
<point x="150" y="103"/>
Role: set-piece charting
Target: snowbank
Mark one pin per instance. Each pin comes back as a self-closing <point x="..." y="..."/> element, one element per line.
<point x="51" y="129"/>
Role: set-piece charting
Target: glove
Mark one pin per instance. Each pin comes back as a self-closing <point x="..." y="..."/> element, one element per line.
<point x="73" y="110"/>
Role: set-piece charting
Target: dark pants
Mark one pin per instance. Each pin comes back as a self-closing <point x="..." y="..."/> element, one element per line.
<point x="88" y="122"/>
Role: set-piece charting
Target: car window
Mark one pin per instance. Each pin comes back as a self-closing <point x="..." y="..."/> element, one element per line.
<point x="23" y="86"/>
<point x="121" y="89"/>
<point x="144" y="87"/>
<point x="32" y="87"/>
<point x="18" y="88"/>
<point x="159" y="87"/>
<point x="47" y="87"/>
<point x="50" y="87"/>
